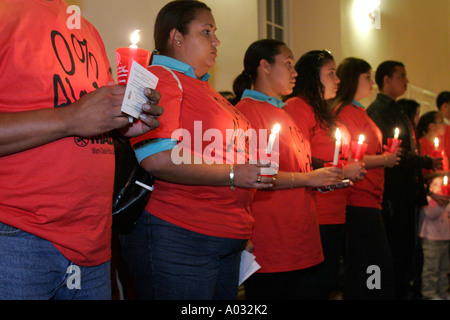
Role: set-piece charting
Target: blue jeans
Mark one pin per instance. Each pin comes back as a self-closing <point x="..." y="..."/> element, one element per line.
<point x="31" y="268"/>
<point x="172" y="263"/>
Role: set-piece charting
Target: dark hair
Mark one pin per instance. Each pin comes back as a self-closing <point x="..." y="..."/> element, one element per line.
<point x="177" y="15"/>
<point x="408" y="107"/>
<point x="433" y="175"/>
<point x="349" y="71"/>
<point x="386" y="68"/>
<point x="424" y="121"/>
<point x="265" y="49"/>
<point x="309" y="86"/>
<point x="442" y="98"/>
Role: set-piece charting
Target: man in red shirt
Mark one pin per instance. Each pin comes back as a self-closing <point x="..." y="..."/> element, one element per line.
<point x="58" y="104"/>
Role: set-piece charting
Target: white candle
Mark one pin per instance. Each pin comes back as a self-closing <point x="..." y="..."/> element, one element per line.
<point x="436" y="144"/>
<point x="358" y="147"/>
<point x="272" y="138"/>
<point x="337" y="146"/>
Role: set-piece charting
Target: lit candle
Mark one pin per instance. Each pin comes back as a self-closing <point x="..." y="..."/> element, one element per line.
<point x="436" y="144"/>
<point x="272" y="138"/>
<point x="337" y="147"/>
<point x="134" y="39"/>
<point x="396" y="133"/>
<point x="395" y="142"/>
<point x="444" y="187"/>
<point x="358" y="147"/>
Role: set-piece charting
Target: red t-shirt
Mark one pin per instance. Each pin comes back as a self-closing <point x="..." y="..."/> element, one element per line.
<point x="369" y="191"/>
<point x="61" y="191"/>
<point x="286" y="234"/>
<point x="205" y="116"/>
<point x="331" y="206"/>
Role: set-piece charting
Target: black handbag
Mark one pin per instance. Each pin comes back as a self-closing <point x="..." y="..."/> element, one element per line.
<point x="131" y="187"/>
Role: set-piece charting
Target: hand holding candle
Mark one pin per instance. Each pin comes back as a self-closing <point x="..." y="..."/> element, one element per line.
<point x="337" y="147"/>
<point x="436" y="153"/>
<point x="394" y="143"/>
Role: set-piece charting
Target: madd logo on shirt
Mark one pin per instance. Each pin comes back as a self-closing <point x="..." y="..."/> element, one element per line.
<point x="79" y="66"/>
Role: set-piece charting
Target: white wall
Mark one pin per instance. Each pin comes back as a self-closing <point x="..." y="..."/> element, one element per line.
<point x="416" y="32"/>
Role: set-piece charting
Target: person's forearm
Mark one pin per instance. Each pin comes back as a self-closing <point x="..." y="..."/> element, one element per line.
<point x="161" y="166"/>
<point x="374" y="161"/>
<point x="21" y="131"/>
<point x="290" y="180"/>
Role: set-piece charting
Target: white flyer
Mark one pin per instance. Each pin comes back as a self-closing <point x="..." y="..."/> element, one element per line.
<point x="248" y="266"/>
<point x="139" y="79"/>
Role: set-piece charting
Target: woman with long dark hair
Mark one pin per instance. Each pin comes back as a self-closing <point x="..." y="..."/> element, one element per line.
<point x="366" y="241"/>
<point x="308" y="105"/>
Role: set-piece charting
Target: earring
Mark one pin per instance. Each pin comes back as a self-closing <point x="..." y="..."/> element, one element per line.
<point x="178" y="42"/>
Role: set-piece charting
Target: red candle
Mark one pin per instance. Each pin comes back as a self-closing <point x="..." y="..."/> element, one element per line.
<point x="358" y="147"/>
<point x="126" y="55"/>
<point x="395" y="141"/>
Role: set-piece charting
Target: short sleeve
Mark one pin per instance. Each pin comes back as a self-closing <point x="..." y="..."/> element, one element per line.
<point x="171" y="96"/>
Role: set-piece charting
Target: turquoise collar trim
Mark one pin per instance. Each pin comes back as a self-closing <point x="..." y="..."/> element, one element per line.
<point x="177" y="66"/>
<point x="356" y="103"/>
<point x="256" y="95"/>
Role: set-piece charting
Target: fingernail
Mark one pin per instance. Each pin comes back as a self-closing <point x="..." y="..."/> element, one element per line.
<point x="143" y="116"/>
<point x="147" y="91"/>
<point x="146" y="107"/>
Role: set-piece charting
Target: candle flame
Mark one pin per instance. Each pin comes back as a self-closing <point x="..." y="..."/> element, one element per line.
<point x="397" y="132"/>
<point x="445" y="180"/>
<point x="338" y="134"/>
<point x="276" y="128"/>
<point x="135" y="38"/>
<point x="436" y="142"/>
<point x="361" y="139"/>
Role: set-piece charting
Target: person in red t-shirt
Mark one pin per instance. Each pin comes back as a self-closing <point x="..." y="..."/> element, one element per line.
<point x="58" y="104"/>
<point x="187" y="245"/>
<point x="366" y="242"/>
<point x="286" y="235"/>
<point x="317" y="83"/>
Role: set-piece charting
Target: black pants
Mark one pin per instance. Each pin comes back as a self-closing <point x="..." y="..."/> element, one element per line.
<point x="291" y="285"/>
<point x="400" y="218"/>
<point x="367" y="246"/>
<point x="324" y="276"/>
